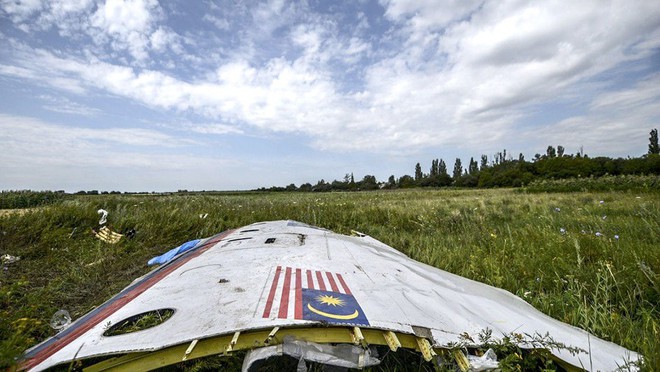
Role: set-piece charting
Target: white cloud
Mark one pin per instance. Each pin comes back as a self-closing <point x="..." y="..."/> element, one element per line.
<point x="39" y="154"/>
<point x="28" y="133"/>
<point x="20" y="10"/>
<point x="425" y="15"/>
<point x="129" y="23"/>
<point x="462" y="76"/>
<point x="220" y="23"/>
<point x="213" y="128"/>
<point x="131" y="26"/>
<point x="615" y="122"/>
<point x="65" y="106"/>
<point x="68" y="16"/>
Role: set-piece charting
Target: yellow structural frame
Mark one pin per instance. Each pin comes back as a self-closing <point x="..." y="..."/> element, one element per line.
<point x="226" y="344"/>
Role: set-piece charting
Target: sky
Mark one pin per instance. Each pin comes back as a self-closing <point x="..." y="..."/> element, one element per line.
<point x="142" y="95"/>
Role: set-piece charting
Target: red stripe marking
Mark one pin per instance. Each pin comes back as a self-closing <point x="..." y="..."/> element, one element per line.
<point x="284" y="301"/>
<point x="116" y="305"/>
<point x="343" y="284"/>
<point x="332" y="282"/>
<point x="299" y="309"/>
<point x="310" y="282"/>
<point x="320" y="279"/>
<point x="271" y="294"/>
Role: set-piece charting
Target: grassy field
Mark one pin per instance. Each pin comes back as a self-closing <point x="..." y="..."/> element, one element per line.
<point x="590" y="259"/>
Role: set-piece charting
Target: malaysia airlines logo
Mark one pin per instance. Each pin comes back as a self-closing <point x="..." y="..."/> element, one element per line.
<point x="312" y="295"/>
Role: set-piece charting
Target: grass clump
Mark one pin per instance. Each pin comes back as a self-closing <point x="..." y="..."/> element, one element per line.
<point x="637" y="183"/>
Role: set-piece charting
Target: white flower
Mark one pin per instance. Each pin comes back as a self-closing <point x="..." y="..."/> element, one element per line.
<point x="557" y="209"/>
<point x="598" y="234"/>
<point x="616" y="237"/>
<point x="562" y="230"/>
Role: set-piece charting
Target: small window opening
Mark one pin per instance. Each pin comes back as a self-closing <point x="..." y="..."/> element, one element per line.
<point x="139" y="322"/>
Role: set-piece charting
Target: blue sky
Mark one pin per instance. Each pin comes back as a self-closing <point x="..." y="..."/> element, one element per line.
<point x="222" y="95"/>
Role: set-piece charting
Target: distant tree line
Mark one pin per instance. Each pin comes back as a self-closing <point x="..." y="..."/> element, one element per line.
<point x="15" y="199"/>
<point x="500" y="170"/>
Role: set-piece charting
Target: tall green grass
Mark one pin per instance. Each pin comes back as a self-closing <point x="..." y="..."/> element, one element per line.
<point x="560" y="252"/>
<point x="637" y="183"/>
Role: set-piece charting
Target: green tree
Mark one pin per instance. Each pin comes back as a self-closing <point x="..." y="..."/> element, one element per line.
<point x="474" y="167"/>
<point x="442" y="168"/>
<point x="369" y="183"/>
<point x="406" y="181"/>
<point x="458" y="169"/>
<point x="484" y="162"/>
<point x="653" y="143"/>
<point x="434" y="168"/>
<point x="418" y="173"/>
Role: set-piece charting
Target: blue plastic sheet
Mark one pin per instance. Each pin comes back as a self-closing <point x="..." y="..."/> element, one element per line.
<point x="166" y="257"/>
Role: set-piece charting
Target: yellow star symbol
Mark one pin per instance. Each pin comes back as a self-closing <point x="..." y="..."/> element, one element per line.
<point x="330" y="300"/>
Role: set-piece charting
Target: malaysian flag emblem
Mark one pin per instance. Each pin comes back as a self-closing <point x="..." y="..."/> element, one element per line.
<point x="312" y="295"/>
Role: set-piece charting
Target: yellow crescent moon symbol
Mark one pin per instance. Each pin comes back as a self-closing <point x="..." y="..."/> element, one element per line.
<point x="333" y="316"/>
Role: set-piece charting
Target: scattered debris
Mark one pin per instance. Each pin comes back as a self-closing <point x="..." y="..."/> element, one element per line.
<point x="166" y="257"/>
<point x="60" y="320"/>
<point x="107" y="235"/>
<point x="96" y="262"/>
<point x="486" y="362"/>
<point x="104" y="216"/>
<point x="130" y="233"/>
<point x="598" y="234"/>
<point x="616" y="237"/>
<point x="203" y="216"/>
<point x="72" y="232"/>
<point x="557" y="209"/>
<point x="9" y="259"/>
<point x="562" y="230"/>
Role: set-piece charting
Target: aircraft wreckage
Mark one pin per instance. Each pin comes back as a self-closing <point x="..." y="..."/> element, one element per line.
<point x="284" y="287"/>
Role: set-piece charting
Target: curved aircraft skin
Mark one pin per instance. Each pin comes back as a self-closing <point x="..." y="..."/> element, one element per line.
<point x="290" y="275"/>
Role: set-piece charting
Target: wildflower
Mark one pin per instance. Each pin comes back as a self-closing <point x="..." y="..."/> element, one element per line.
<point x="527" y="293"/>
<point x="602" y="202"/>
<point x="616" y="237"/>
<point x="557" y="209"/>
<point x="598" y="234"/>
<point x="604" y="217"/>
<point x="562" y="230"/>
